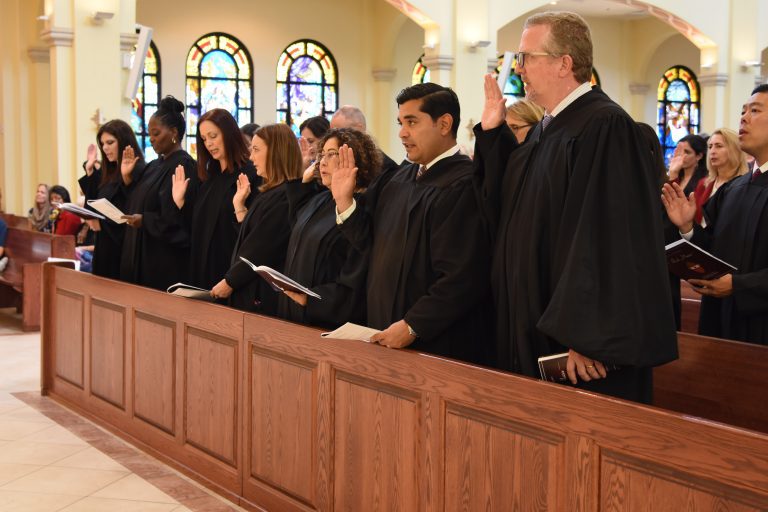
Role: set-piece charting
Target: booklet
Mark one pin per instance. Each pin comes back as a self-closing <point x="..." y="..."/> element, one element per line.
<point x="690" y="261"/>
<point x="105" y="207"/>
<point x="278" y="281"/>
<point x="350" y="331"/>
<point x="190" y="292"/>
<point x="554" y="368"/>
<point x="79" y="211"/>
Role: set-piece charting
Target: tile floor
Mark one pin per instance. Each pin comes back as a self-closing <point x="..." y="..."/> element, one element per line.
<point x="53" y="460"/>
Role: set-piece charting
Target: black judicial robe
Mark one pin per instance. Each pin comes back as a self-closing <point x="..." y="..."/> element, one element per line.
<point x="429" y="258"/>
<point x="214" y="226"/>
<point x="321" y="258"/>
<point x="156" y="255"/>
<point x="737" y="232"/>
<point x="108" y="243"/>
<point x="262" y="240"/>
<point x="579" y="252"/>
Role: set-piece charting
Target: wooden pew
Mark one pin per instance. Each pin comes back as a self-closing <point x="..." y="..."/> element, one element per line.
<point x="273" y="417"/>
<point x="15" y="221"/>
<point x="690" y="304"/>
<point x="20" y="281"/>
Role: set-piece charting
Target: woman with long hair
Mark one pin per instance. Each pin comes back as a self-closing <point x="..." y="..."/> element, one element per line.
<point x="40" y="213"/>
<point x="222" y="156"/>
<point x="265" y="223"/>
<point x="122" y="162"/>
<point x="689" y="162"/>
<point x="725" y="161"/>
<point x="523" y="115"/>
<point x="158" y="237"/>
<point x="319" y="255"/>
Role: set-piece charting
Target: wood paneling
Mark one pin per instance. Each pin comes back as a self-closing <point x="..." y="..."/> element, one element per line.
<point x="282" y="425"/>
<point x="69" y="337"/>
<point x="108" y="352"/>
<point x="154" y="370"/>
<point x="376" y="450"/>
<point x="210" y="399"/>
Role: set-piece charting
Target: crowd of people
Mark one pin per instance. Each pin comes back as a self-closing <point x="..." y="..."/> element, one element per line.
<point x="549" y="239"/>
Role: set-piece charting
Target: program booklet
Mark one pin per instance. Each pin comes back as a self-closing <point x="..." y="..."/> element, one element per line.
<point x="106" y="208"/>
<point x="553" y="368"/>
<point x="690" y="261"/>
<point x="190" y="292"/>
<point x="350" y="331"/>
<point x="278" y="281"/>
<point x="79" y="211"/>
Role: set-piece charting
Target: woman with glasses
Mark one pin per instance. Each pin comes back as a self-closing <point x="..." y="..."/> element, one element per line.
<point x="319" y="255"/>
<point x="523" y="115"/>
<point x="265" y="223"/>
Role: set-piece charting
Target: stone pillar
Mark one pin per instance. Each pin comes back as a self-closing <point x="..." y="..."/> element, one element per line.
<point x="714" y="104"/>
<point x="380" y="120"/>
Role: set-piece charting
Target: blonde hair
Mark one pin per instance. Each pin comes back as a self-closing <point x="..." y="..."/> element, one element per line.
<point x="526" y="110"/>
<point x="737" y="162"/>
<point x="569" y="35"/>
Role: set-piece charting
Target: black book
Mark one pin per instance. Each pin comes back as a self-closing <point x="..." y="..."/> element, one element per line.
<point x="554" y="368"/>
<point x="689" y="261"/>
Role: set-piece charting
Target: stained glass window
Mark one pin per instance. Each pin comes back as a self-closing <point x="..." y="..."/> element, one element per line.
<point x="677" y="107"/>
<point x="146" y="100"/>
<point x="420" y="73"/>
<point x="513" y="89"/>
<point x="218" y="76"/>
<point x="307" y="83"/>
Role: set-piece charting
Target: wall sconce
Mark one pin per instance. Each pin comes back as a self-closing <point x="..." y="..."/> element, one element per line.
<point x="99" y="17"/>
<point x="752" y="64"/>
<point x="428" y="46"/>
<point x="474" y="45"/>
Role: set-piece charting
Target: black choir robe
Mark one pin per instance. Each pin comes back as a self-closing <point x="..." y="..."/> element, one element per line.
<point x="262" y="240"/>
<point x="579" y="252"/>
<point x="156" y="255"/>
<point x="108" y="243"/>
<point x="429" y="258"/>
<point x="321" y="258"/>
<point x="214" y="225"/>
<point x="737" y="232"/>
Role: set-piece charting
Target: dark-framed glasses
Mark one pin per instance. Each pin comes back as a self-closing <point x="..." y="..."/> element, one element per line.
<point x="522" y="56"/>
<point x="516" y="127"/>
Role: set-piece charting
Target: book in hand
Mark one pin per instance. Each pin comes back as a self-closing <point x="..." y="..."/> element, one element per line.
<point x="106" y="208"/>
<point x="279" y="282"/>
<point x="79" y="211"/>
<point x="554" y="368"/>
<point x="350" y="331"/>
<point x="190" y="292"/>
<point x="689" y="261"/>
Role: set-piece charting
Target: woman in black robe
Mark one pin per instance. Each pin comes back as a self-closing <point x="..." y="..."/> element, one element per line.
<point x="265" y="224"/>
<point x="158" y="238"/>
<point x="120" y="157"/>
<point x="222" y="155"/>
<point x="319" y="256"/>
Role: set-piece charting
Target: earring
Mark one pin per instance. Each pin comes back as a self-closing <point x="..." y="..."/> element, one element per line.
<point x="174" y="140"/>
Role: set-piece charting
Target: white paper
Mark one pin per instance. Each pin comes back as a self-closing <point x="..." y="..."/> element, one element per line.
<point x="190" y="292"/>
<point x="109" y="210"/>
<point x="506" y="69"/>
<point x="350" y="331"/>
<point x="76" y="262"/>
<point x="77" y="210"/>
<point x="281" y="278"/>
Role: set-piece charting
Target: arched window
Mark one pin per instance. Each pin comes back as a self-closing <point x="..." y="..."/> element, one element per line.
<point x="146" y="100"/>
<point x="218" y="76"/>
<point x="307" y="83"/>
<point x="420" y="73"/>
<point x="677" y="113"/>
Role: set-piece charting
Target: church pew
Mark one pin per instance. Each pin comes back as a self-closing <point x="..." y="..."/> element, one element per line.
<point x="276" y="418"/>
<point x="690" y="304"/>
<point x="15" y="221"/>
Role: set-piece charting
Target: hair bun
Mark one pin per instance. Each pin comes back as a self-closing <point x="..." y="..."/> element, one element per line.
<point x="170" y="104"/>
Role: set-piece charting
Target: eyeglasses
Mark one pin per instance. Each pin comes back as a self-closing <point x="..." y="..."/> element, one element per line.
<point x="330" y="155"/>
<point x="516" y="127"/>
<point x="521" y="56"/>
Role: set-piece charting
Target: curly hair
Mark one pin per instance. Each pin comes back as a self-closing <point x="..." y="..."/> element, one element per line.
<point x="368" y="157"/>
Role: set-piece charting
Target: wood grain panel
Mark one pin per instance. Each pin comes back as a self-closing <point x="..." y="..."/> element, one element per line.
<point x="627" y="486"/>
<point x="495" y="465"/>
<point x="282" y="424"/>
<point x="108" y="352"/>
<point x="154" y="367"/>
<point x="376" y="449"/>
<point x="69" y="337"/>
<point x="210" y="394"/>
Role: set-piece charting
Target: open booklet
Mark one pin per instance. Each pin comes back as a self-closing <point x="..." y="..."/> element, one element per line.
<point x="190" y="292"/>
<point x="79" y="211"/>
<point x="105" y="207"/>
<point x="350" y="331"/>
<point x="278" y="281"/>
<point x="689" y="261"/>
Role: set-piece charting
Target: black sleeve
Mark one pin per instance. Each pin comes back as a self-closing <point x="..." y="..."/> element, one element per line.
<point x="299" y="194"/>
<point x="492" y="151"/>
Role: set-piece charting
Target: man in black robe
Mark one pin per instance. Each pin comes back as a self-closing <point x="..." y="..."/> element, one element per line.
<point x="735" y="305"/>
<point x="579" y="261"/>
<point x="428" y="276"/>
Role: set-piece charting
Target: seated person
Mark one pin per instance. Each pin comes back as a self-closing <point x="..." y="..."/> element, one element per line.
<point x="39" y="215"/>
<point x="523" y="115"/>
<point x="61" y="222"/>
<point x="3" y="236"/>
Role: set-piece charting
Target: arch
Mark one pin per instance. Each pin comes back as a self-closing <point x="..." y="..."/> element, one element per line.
<point x="218" y="75"/>
<point x="307" y="83"/>
<point x="678" y="107"/>
<point x="147" y="99"/>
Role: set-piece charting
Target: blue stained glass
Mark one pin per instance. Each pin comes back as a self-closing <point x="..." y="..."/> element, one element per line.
<point x="678" y="91"/>
<point x="304" y="69"/>
<point x="282" y="117"/>
<point x="149" y="152"/>
<point x="427" y="77"/>
<point x="514" y="86"/>
<point x="193" y="114"/>
<point x="219" y="94"/>
<point x="243" y="117"/>
<point x="244" y="101"/>
<point x="282" y="96"/>
<point x="218" y="64"/>
<point x="330" y="99"/>
<point x="306" y="101"/>
<point x="136" y="122"/>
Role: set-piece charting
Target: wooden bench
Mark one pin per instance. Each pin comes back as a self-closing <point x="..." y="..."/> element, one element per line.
<point x="26" y="250"/>
<point x="15" y="221"/>
<point x="690" y="304"/>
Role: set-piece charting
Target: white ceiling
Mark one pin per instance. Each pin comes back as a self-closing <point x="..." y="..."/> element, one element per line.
<point x="598" y="8"/>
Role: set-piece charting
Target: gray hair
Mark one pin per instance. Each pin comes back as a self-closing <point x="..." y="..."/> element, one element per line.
<point x="569" y="35"/>
<point x="353" y="117"/>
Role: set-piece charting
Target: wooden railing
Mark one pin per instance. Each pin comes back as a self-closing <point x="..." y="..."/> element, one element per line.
<point x="276" y="418"/>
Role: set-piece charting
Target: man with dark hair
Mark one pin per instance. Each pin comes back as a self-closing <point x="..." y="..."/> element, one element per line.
<point x="579" y="261"/>
<point x="428" y="275"/>
<point x="735" y="305"/>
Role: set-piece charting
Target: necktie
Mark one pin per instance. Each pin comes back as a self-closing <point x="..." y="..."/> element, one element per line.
<point x="545" y="122"/>
<point x="421" y="171"/>
<point x="756" y="174"/>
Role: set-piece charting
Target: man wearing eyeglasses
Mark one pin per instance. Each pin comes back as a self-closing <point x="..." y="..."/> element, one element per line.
<point x="579" y="262"/>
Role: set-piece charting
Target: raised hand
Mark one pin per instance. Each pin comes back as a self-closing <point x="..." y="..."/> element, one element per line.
<point x="90" y="159"/>
<point x="243" y="191"/>
<point x="680" y="210"/>
<point x="306" y="152"/>
<point x="494" y="111"/>
<point x="179" y="186"/>
<point x="127" y="164"/>
<point x="675" y="165"/>
<point x="344" y="179"/>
